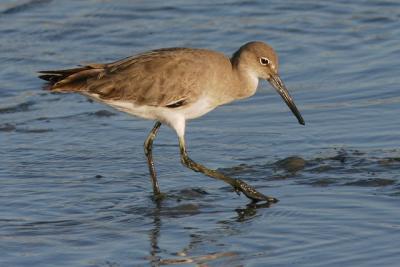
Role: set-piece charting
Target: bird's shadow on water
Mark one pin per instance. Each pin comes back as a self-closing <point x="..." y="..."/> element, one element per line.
<point x="163" y="209"/>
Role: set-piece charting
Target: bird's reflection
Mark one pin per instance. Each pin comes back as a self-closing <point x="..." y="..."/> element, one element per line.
<point x="250" y="211"/>
<point x="162" y="210"/>
<point x="155" y="234"/>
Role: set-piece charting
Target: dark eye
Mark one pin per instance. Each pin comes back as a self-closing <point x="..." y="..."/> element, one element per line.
<point x="264" y="61"/>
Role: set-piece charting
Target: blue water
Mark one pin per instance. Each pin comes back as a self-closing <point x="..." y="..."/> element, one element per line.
<point x="74" y="184"/>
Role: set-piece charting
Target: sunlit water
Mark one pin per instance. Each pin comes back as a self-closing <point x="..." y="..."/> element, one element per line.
<point x="74" y="184"/>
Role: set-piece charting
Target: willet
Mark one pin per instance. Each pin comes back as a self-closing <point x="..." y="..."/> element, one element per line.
<point x="173" y="85"/>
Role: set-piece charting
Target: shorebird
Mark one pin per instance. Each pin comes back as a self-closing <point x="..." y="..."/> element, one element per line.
<point x="173" y="85"/>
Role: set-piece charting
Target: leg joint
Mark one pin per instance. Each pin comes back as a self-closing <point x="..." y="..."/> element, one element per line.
<point x="185" y="159"/>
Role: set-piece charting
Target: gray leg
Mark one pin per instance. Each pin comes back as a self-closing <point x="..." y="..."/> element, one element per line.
<point x="148" y="148"/>
<point x="238" y="185"/>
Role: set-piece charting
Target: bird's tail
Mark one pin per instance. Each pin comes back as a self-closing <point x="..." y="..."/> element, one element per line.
<point x="70" y="80"/>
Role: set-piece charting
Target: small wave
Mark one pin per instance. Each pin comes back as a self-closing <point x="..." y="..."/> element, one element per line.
<point x="22" y="107"/>
<point x="24" y="6"/>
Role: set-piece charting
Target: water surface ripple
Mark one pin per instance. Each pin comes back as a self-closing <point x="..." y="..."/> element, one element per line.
<point x="74" y="185"/>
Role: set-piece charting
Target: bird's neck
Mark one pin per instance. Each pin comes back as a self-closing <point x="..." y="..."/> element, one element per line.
<point x="246" y="80"/>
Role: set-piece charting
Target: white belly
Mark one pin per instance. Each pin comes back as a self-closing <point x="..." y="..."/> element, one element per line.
<point x="188" y="112"/>
<point x="174" y="117"/>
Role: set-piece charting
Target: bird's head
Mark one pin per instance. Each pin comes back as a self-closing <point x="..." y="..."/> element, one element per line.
<point x="263" y="61"/>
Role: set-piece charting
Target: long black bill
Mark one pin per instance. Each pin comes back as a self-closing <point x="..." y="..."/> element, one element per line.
<point x="280" y="87"/>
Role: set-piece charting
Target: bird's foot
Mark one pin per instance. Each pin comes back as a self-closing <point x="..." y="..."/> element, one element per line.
<point x="251" y="192"/>
<point x="158" y="197"/>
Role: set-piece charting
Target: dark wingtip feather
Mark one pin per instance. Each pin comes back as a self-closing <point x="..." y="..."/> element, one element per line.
<point x="54" y="76"/>
<point x="49" y="77"/>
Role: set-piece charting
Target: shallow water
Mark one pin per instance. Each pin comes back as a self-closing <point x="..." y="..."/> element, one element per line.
<point x="74" y="185"/>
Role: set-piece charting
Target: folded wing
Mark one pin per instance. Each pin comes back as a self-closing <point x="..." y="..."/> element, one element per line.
<point x="156" y="78"/>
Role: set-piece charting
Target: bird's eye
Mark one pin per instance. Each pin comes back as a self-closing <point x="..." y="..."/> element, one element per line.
<point x="264" y="61"/>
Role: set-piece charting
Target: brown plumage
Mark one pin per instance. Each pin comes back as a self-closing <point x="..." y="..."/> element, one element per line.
<point x="174" y="85"/>
<point x="144" y="79"/>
